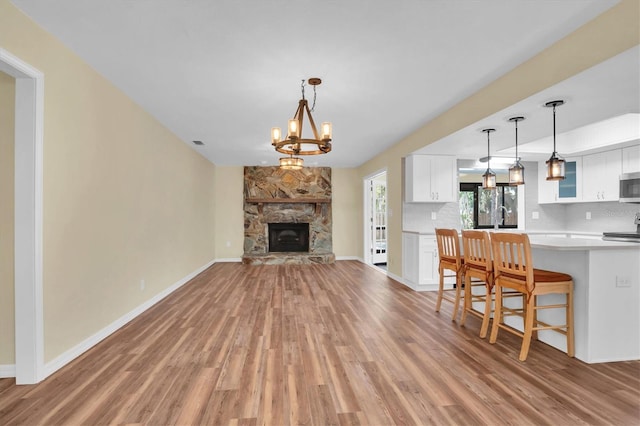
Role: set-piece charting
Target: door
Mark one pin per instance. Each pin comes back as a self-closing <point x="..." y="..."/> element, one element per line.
<point x="379" y="221"/>
<point x="375" y="219"/>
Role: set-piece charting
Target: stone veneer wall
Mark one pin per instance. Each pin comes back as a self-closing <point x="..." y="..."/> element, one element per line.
<point x="267" y="191"/>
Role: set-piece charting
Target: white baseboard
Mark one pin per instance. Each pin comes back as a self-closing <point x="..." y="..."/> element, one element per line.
<point x="68" y="356"/>
<point x="419" y="287"/>
<point x="228" y="259"/>
<point x="349" y="258"/>
<point x="7" y="370"/>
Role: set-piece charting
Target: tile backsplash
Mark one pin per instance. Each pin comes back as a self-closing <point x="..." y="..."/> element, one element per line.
<point x="418" y="216"/>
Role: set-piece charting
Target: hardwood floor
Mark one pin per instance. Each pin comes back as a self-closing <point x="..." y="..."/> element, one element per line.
<point x="317" y="345"/>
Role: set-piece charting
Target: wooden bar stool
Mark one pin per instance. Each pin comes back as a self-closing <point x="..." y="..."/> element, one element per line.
<point x="478" y="272"/>
<point x="513" y="269"/>
<point x="450" y="260"/>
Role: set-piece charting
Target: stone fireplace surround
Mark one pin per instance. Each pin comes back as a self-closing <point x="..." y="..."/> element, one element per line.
<point x="274" y="195"/>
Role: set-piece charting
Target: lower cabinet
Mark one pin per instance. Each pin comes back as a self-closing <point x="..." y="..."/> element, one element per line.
<point x="420" y="261"/>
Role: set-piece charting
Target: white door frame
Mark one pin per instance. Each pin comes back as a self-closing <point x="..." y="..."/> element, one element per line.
<point x="29" y="123"/>
<point x="367" y="215"/>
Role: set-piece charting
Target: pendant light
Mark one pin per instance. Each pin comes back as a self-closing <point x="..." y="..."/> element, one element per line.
<point x="555" y="164"/>
<point x="516" y="171"/>
<point x="489" y="177"/>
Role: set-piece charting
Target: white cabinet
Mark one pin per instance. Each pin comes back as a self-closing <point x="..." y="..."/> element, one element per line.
<point x="430" y="179"/>
<point x="601" y="176"/>
<point x="631" y="159"/>
<point x="568" y="190"/>
<point x="419" y="260"/>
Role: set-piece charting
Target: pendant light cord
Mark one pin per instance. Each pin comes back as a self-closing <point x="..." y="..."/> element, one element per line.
<point x="517" y="158"/>
<point x="554" y="128"/>
<point x="488" y="152"/>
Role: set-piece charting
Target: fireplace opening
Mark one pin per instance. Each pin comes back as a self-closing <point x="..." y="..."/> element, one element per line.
<point x="285" y="237"/>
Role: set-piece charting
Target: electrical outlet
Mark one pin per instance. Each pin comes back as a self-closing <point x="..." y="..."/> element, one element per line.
<point x="434" y="216"/>
<point x="535" y="215"/>
<point x="588" y="216"/>
<point x="228" y="243"/>
<point x="142" y="285"/>
<point x="623" y="281"/>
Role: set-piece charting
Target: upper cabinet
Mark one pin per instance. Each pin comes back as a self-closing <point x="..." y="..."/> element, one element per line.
<point x="430" y="179"/>
<point x="568" y="190"/>
<point x="631" y="159"/>
<point x="590" y="178"/>
<point x="601" y="176"/>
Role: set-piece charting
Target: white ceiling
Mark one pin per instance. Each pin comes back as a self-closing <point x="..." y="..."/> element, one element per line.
<point x="225" y="72"/>
<point x="601" y="110"/>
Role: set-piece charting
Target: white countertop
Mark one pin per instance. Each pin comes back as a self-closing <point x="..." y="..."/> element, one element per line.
<point x="577" y="243"/>
<point x="563" y="240"/>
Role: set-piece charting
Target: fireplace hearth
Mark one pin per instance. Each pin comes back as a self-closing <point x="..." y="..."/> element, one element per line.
<point x="288" y="237"/>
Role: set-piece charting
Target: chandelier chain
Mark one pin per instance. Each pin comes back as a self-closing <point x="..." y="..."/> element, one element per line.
<point x="302" y="85"/>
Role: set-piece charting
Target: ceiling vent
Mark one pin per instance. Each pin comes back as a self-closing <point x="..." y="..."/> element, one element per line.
<point x="198" y="143"/>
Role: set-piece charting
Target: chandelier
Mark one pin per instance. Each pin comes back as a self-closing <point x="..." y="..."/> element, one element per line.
<point x="294" y="144"/>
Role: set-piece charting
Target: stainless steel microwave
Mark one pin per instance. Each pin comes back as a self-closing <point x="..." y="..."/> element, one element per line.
<point x="630" y="187"/>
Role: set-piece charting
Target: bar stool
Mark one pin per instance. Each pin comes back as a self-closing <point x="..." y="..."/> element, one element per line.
<point x="478" y="272"/>
<point x="450" y="260"/>
<point x="513" y="269"/>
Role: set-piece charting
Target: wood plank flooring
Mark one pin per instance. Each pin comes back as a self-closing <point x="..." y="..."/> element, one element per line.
<point x="317" y="345"/>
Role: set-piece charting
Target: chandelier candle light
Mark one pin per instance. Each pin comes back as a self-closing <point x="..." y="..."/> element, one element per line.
<point x="489" y="177"/>
<point x="516" y="171"/>
<point x="295" y="145"/>
<point x="555" y="164"/>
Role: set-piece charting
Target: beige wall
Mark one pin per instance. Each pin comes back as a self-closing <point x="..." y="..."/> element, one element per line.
<point x="7" y="117"/>
<point x="124" y="199"/>
<point x="609" y="34"/>
<point x="229" y="199"/>
<point x="346" y="206"/>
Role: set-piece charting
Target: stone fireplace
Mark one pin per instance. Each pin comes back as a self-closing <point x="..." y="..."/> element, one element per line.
<point x="287" y="216"/>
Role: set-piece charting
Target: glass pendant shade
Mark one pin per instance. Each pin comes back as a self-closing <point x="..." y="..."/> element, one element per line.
<point x="294" y="129"/>
<point x="489" y="179"/>
<point x="276" y="134"/>
<point x="516" y="174"/>
<point x="291" y="163"/>
<point x="555" y="167"/>
<point x="326" y="131"/>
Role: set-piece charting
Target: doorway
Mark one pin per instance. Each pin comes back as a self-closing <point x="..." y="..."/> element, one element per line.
<point x="376" y="220"/>
<point x="29" y="123"/>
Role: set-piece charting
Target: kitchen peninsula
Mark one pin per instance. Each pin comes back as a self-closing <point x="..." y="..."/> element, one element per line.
<point x="606" y="277"/>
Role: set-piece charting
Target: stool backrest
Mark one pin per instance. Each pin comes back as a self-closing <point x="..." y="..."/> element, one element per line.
<point x="476" y="246"/>
<point x="512" y="264"/>
<point x="449" y="247"/>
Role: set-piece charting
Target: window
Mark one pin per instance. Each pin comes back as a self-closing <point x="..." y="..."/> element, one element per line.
<point x="476" y="206"/>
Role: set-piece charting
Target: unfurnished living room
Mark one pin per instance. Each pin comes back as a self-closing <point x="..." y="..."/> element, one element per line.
<point x="298" y="212"/>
